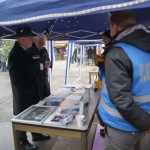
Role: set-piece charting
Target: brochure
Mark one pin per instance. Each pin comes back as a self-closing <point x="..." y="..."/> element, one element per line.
<point x="52" y="103"/>
<point x="57" y="118"/>
<point x="69" y="111"/>
<point x="35" y="114"/>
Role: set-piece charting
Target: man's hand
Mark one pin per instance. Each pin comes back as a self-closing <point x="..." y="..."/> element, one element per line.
<point x="48" y="64"/>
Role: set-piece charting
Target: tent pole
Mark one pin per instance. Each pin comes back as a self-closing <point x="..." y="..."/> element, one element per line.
<point x="68" y="62"/>
<point x="50" y="47"/>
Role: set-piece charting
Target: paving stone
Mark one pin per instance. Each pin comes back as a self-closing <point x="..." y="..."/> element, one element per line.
<point x="58" y="80"/>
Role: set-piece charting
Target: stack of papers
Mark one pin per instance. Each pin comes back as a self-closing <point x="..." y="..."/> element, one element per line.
<point x="74" y="97"/>
<point x="79" y="93"/>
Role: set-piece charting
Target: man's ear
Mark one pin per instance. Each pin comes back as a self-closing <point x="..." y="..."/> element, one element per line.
<point x="116" y="28"/>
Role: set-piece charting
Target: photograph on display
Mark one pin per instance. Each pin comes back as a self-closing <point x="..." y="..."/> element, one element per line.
<point x="55" y="98"/>
<point x="57" y="118"/>
<point x="52" y="103"/>
<point x="36" y="113"/>
<point x="65" y="111"/>
<point x="52" y="100"/>
<point x="69" y="111"/>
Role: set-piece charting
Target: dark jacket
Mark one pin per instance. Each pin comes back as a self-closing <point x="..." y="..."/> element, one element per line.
<point x="23" y="80"/>
<point x="118" y="75"/>
<point x="38" y="58"/>
<point x="90" y="53"/>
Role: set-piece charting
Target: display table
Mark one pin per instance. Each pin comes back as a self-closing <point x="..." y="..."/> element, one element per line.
<point x="71" y="130"/>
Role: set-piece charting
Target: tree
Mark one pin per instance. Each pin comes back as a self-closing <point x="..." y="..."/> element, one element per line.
<point x="7" y="46"/>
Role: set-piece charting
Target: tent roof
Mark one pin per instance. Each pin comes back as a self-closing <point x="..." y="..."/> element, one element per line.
<point x="18" y="11"/>
<point x="66" y="19"/>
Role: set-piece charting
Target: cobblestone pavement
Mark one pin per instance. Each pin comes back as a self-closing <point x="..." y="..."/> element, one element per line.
<point x="58" y="80"/>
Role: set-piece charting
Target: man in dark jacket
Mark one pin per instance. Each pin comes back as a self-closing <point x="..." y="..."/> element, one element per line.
<point x="125" y="96"/>
<point x="41" y="64"/>
<point x="23" y="79"/>
<point x="99" y="61"/>
<point x="90" y="53"/>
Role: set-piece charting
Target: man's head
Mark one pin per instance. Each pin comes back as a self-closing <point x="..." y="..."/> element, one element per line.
<point x="40" y="41"/>
<point x="25" y="36"/>
<point x="106" y="37"/>
<point x="121" y="20"/>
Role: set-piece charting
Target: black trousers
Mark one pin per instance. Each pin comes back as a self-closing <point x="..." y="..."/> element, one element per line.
<point x="24" y="138"/>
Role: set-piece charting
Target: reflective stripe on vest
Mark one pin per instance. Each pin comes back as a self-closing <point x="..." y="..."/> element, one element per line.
<point x="105" y="88"/>
<point x="110" y="110"/>
<point x="138" y="99"/>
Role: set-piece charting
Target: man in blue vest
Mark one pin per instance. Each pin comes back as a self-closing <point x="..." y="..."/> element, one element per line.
<point x="125" y="96"/>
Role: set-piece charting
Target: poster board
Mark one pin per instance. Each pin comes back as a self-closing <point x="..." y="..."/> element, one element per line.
<point x="34" y="114"/>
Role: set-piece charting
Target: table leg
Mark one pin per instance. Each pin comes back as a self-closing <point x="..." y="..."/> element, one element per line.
<point x="84" y="142"/>
<point x="89" y="79"/>
<point x="16" y="138"/>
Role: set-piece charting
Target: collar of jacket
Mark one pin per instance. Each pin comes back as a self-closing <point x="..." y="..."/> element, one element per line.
<point x="127" y="31"/>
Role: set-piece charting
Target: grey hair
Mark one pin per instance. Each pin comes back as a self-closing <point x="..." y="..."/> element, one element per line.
<point x="40" y="35"/>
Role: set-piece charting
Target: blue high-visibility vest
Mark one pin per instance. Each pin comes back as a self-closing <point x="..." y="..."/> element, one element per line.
<point x="140" y="89"/>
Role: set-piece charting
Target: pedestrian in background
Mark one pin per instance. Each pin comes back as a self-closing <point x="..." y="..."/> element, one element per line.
<point x="3" y="62"/>
<point x="90" y="53"/>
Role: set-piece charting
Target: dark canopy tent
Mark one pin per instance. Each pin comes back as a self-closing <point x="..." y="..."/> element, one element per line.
<point x="66" y="19"/>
